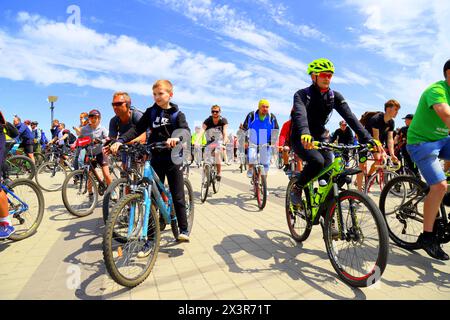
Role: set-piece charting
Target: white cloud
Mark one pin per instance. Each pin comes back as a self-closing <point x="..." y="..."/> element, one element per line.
<point x="47" y="52"/>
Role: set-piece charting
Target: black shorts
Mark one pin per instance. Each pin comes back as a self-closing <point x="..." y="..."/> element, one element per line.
<point x="28" y="148"/>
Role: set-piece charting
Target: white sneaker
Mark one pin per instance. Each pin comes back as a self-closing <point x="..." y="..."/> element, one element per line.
<point x="146" y="249"/>
<point x="183" y="236"/>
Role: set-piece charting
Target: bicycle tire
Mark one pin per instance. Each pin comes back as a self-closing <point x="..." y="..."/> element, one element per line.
<point x="205" y="184"/>
<point x="46" y="169"/>
<point x="21" y="167"/>
<point x="381" y="247"/>
<point x="39" y="159"/>
<point x="215" y="184"/>
<point x="297" y="213"/>
<point x="407" y="237"/>
<point x="261" y="196"/>
<point x="189" y="196"/>
<point x="109" y="239"/>
<point x="40" y="212"/>
<point x="107" y="206"/>
<point x="375" y="180"/>
<point x="68" y="199"/>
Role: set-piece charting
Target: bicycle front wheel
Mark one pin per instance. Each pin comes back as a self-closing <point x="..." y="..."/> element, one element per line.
<point x="205" y="184"/>
<point x="401" y="203"/>
<point x="28" y="212"/>
<point x="50" y="176"/>
<point x="261" y="189"/>
<point x="129" y="256"/>
<point x="76" y="196"/>
<point x="358" y="249"/>
<point x="20" y="167"/>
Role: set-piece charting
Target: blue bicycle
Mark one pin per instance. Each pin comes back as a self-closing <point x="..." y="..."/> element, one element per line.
<point x="26" y="207"/>
<point x="134" y="226"/>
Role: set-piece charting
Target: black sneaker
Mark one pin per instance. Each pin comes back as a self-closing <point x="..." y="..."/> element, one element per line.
<point x="286" y="168"/>
<point x="218" y="178"/>
<point x="432" y="247"/>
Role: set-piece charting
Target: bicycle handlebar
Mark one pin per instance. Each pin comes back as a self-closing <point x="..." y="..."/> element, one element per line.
<point x="341" y="147"/>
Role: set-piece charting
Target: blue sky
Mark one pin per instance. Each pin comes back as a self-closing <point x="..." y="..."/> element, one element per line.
<point x="230" y="53"/>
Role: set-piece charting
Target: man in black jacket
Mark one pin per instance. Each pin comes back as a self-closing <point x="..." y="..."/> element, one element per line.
<point x="163" y="119"/>
<point x="312" y="110"/>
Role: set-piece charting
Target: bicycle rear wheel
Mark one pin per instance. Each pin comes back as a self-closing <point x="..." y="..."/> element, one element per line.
<point x="401" y="203"/>
<point x="360" y="255"/>
<point x="205" y="183"/>
<point x="50" y="176"/>
<point x="377" y="181"/>
<point x="215" y="184"/>
<point x="116" y="191"/>
<point x="20" y="167"/>
<point x="123" y="241"/>
<point x="26" y="222"/>
<point x="297" y="215"/>
<point x="76" y="196"/>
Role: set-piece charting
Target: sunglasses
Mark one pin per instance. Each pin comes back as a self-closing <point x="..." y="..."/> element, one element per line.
<point x="215" y="111"/>
<point x="325" y="75"/>
<point x="93" y="116"/>
<point x="117" y="104"/>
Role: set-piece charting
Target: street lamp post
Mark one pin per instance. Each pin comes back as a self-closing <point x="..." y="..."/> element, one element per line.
<point x="52" y="100"/>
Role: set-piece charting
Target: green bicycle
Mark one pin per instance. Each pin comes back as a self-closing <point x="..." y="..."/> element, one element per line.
<point x="354" y="230"/>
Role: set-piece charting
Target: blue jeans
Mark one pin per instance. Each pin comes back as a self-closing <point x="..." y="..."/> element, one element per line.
<point x="78" y="160"/>
<point x="426" y="156"/>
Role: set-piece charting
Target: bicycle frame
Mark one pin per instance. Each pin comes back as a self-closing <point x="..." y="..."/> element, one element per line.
<point x="153" y="190"/>
<point x="14" y="212"/>
<point x="336" y="168"/>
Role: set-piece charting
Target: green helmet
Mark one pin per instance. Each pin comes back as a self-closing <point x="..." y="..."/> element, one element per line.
<point x="320" y="65"/>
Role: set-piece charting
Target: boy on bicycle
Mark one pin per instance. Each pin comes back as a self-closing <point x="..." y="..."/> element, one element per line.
<point x="427" y="142"/>
<point x="163" y="118"/>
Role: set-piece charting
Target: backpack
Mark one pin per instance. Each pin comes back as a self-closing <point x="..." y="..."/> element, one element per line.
<point x="132" y="118"/>
<point x="72" y="138"/>
<point x="10" y="131"/>
<point x="251" y="118"/>
<point x="367" y="116"/>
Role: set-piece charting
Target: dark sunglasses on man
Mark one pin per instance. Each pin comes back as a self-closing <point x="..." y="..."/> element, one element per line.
<point x="215" y="112"/>
<point x="117" y="104"/>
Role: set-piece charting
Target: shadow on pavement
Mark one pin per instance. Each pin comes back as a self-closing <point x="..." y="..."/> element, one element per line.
<point x="424" y="267"/>
<point x="98" y="285"/>
<point x="245" y="201"/>
<point x="284" y="254"/>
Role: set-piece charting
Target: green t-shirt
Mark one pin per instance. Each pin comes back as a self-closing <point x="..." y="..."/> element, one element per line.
<point x="426" y="125"/>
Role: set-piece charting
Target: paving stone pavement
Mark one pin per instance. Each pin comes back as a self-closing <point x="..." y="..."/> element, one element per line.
<point x="236" y="252"/>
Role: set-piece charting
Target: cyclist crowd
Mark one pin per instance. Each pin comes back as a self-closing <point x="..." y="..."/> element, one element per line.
<point x="419" y="144"/>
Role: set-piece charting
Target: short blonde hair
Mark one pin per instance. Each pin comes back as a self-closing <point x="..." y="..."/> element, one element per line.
<point x="165" y="84"/>
<point x="125" y="95"/>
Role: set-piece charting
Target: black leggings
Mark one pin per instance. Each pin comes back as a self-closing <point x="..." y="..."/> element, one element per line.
<point x="315" y="162"/>
<point x="164" y="167"/>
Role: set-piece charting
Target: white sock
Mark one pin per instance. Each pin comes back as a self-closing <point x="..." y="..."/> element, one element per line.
<point x="6" y="220"/>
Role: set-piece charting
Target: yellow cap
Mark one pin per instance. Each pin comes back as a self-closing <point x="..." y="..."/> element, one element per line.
<point x="263" y="102"/>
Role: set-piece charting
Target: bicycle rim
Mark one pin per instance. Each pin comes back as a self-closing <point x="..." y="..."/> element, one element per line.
<point x="76" y="196"/>
<point x="297" y="217"/>
<point x="27" y="222"/>
<point x="121" y="248"/>
<point x="50" y="176"/>
<point x="360" y="258"/>
<point x="205" y="184"/>
<point x="401" y="203"/>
